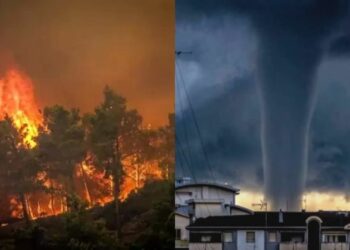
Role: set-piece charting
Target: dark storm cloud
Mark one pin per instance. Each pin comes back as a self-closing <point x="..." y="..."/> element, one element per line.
<point x="233" y="144"/>
<point x="330" y="130"/>
<point x="298" y="31"/>
<point x="72" y="49"/>
<point x="340" y="47"/>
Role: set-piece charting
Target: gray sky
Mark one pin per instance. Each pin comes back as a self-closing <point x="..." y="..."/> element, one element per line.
<point x="220" y="76"/>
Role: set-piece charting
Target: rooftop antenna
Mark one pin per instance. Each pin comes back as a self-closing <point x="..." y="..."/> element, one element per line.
<point x="262" y="204"/>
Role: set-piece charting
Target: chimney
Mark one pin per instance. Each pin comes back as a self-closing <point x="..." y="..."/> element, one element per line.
<point x="280" y="216"/>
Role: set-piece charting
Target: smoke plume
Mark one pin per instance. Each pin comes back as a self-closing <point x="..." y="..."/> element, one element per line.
<point x="293" y="36"/>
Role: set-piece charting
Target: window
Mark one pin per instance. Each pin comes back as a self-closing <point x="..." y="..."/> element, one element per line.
<point x="292" y="236"/>
<point x="178" y="234"/>
<point x="227" y="237"/>
<point x="250" y="237"/>
<point x="205" y="238"/>
<point x="334" y="238"/>
<point x="341" y="238"/>
<point x="272" y="236"/>
<point x="330" y="238"/>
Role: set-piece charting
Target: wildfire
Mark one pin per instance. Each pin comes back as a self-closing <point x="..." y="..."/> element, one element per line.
<point x="17" y="100"/>
<point x="136" y="177"/>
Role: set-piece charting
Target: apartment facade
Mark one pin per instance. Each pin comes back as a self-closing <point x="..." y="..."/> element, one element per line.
<point x="272" y="231"/>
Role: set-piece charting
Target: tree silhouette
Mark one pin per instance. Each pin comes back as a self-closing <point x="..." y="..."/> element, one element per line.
<point x="61" y="145"/>
<point x="19" y="167"/>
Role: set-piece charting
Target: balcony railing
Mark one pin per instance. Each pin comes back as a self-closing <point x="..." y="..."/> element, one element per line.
<point x="181" y="243"/>
<point x="293" y="246"/>
<point x="324" y="246"/>
<point x="335" y="246"/>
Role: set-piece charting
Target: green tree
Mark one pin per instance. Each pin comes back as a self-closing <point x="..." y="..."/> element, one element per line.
<point x="151" y="210"/>
<point x="61" y="145"/>
<point x="18" y="168"/>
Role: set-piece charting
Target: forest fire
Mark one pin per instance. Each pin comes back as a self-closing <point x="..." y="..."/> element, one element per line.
<point x="17" y="101"/>
<point x="91" y="184"/>
<point x="136" y="177"/>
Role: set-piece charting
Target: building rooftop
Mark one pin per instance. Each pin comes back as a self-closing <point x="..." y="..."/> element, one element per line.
<point x="215" y="185"/>
<point x="330" y="219"/>
<point x="182" y="210"/>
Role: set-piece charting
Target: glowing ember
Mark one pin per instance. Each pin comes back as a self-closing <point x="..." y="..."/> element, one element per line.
<point x="136" y="177"/>
<point x="17" y="101"/>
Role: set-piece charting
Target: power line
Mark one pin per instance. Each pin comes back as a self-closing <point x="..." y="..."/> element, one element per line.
<point x="180" y="149"/>
<point x="177" y="155"/>
<point x="184" y="127"/>
<point x="195" y="121"/>
<point x="189" y="162"/>
<point x="211" y="172"/>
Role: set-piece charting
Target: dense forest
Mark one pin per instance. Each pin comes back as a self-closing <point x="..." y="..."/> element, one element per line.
<point x="100" y="180"/>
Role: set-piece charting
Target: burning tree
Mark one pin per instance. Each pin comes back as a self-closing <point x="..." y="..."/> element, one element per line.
<point x="61" y="147"/>
<point x="19" y="167"/>
<point x="139" y="161"/>
<point x="47" y="157"/>
<point x="165" y="148"/>
<point x="111" y="128"/>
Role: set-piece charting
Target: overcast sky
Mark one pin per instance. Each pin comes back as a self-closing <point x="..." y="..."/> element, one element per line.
<point x="220" y="76"/>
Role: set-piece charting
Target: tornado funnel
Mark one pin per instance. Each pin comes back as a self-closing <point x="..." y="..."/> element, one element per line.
<point x="287" y="88"/>
<point x="292" y="37"/>
<point x="291" y="43"/>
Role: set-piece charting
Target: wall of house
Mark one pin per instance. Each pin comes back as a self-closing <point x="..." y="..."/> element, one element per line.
<point x="204" y="192"/>
<point x="182" y="222"/>
<point x="231" y="245"/>
<point x="242" y="244"/>
<point x="203" y="210"/>
<point x="272" y="245"/>
<point x="205" y="246"/>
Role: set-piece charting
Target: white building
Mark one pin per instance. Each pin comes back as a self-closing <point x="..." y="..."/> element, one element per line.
<point x="272" y="231"/>
<point x="200" y="200"/>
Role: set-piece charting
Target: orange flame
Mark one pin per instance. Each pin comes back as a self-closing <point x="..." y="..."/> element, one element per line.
<point x="17" y="100"/>
<point x="136" y="176"/>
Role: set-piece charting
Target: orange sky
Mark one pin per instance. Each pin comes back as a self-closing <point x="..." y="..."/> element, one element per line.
<point x="72" y="49"/>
